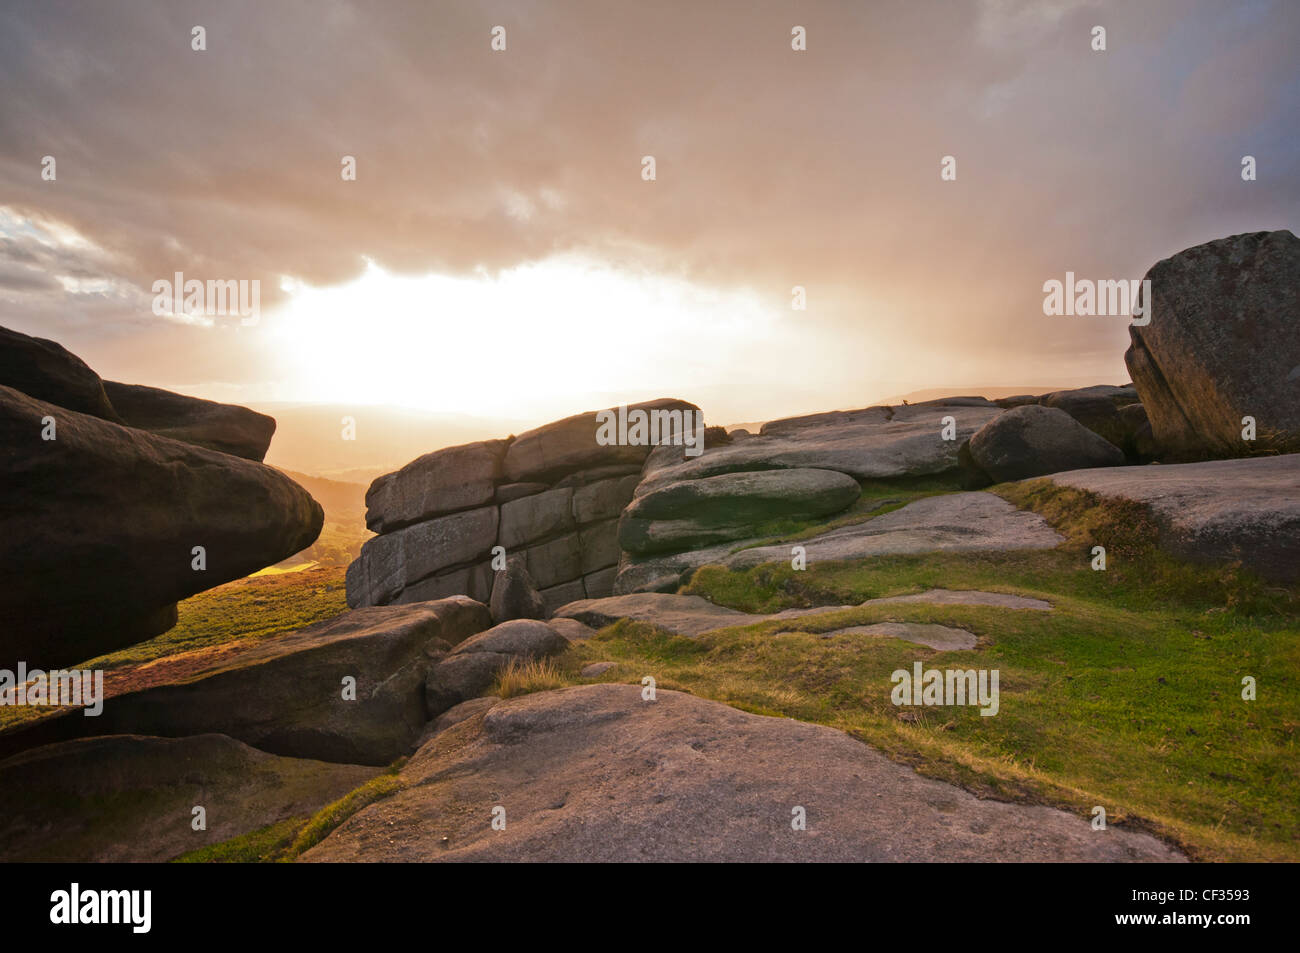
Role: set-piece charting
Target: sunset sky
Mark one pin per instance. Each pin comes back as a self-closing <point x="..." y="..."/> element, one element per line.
<point x="500" y="253"/>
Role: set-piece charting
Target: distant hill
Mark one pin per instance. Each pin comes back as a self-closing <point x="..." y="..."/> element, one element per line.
<point x="345" y="521"/>
<point x="309" y="438"/>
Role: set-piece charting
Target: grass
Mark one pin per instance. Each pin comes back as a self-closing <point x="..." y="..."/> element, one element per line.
<point x="878" y="497"/>
<point x="285" y="841"/>
<point x="523" y="678"/>
<point x="1126" y="695"/>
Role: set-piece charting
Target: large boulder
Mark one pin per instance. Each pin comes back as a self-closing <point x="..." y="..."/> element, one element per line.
<point x="290" y="695"/>
<point x="49" y="372"/>
<point x="52" y="799"/>
<point x="1098" y="409"/>
<point x="693" y="513"/>
<point x="1033" y="440"/>
<point x="1215" y="511"/>
<point x="227" y="428"/>
<point x="455" y="478"/>
<point x="99" y="529"/>
<point x="1222" y="344"/>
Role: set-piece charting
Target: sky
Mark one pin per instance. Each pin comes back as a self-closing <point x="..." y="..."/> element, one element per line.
<point x="501" y="253"/>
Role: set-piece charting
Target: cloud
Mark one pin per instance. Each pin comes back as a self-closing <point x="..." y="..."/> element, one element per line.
<point x="775" y="168"/>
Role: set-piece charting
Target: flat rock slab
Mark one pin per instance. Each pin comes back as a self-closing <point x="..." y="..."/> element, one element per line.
<point x="947" y="523"/>
<point x="1246" y="509"/>
<point x="593" y="773"/>
<point x="694" y="615"/>
<point x="53" y="800"/>
<point x="941" y="637"/>
<point x="966" y="597"/>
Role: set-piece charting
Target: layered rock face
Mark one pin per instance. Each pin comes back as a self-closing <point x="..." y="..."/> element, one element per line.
<point x="104" y="527"/>
<point x="550" y="498"/>
<point x="692" y="510"/>
<point x="1223" y="343"/>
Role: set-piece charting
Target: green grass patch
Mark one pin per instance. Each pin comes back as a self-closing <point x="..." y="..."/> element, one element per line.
<point x="1127" y="695"/>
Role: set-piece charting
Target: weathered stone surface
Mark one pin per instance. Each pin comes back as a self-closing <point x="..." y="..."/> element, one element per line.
<point x="597" y="585"/>
<point x="556" y="562"/>
<point x="457" y="679"/>
<point x="521" y="638"/>
<point x="603" y="500"/>
<point x="456" y="714"/>
<point x="942" y="638"/>
<point x="1097" y="408"/>
<point x="537" y="517"/>
<point x="593" y="773"/>
<point x="47" y="371"/>
<point x="1139" y="442"/>
<point x="475" y="663"/>
<point x="1221" y="345"/>
<point x="98" y="529"/>
<point x="445" y="481"/>
<point x="514" y="593"/>
<point x="949" y="523"/>
<point x="705" y="511"/>
<point x="1019" y="400"/>
<point x="557" y="449"/>
<point x="599" y="544"/>
<point x="1034" y="441"/>
<point x="285" y="695"/>
<point x="564" y="593"/>
<point x="571" y="629"/>
<point x="52" y="799"/>
<point x="226" y="428"/>
<point x="1221" y="510"/>
<point x="596" y="669"/>
<point x="873" y="443"/>
<point x="694" y="615"/>
<point x="517" y="491"/>
<point x="393" y="561"/>
<point x="616" y="471"/>
<point x="473" y="581"/>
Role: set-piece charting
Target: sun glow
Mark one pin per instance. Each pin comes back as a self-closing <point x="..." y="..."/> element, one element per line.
<point x="536" y="339"/>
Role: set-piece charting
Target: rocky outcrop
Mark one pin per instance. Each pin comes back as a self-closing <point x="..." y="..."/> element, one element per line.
<point x="515" y="595"/>
<point x="105" y="527"/>
<point x="550" y="498"/>
<point x="52" y="799"/>
<point x="1222" y="344"/>
<point x="1098" y="409"/>
<point x="226" y="428"/>
<point x="1215" y="511"/>
<point x="1035" y="440"/>
<point x="597" y="773"/>
<point x="51" y="373"/>
<point x="695" y="513"/>
<point x="348" y="690"/>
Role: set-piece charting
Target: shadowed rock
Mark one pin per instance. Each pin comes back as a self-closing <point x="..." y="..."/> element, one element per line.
<point x="49" y="372"/>
<point x="226" y="428"/>
<point x="98" y="529"/>
<point x="52" y="799"/>
<point x="1034" y="440"/>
